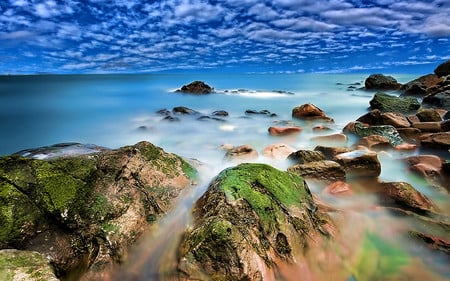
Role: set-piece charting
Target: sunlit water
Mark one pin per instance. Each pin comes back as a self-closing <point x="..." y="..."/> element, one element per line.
<point x="118" y="110"/>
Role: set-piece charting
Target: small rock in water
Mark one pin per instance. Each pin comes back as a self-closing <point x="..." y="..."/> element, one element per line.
<point x="241" y="154"/>
<point x="278" y="151"/>
<point x="283" y="131"/>
<point x="196" y="87"/>
<point x="338" y="188"/>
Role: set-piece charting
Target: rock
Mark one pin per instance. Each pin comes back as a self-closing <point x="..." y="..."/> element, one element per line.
<point x="419" y="86"/>
<point x="360" y="163"/>
<point x="374" y="141"/>
<point x="409" y="134"/>
<point x="170" y="118"/>
<point x="283" y="131"/>
<point x="440" y="100"/>
<point x="427" y="166"/>
<point x="388" y="103"/>
<point x="334" y="139"/>
<point x="84" y="212"/>
<point x="429" y="115"/>
<point x="446" y="115"/>
<point x="330" y="152"/>
<point x="324" y="170"/>
<point x="371" y="118"/>
<point x="182" y="110"/>
<point x="381" y="82"/>
<point x="427" y="126"/>
<point x="338" y="188"/>
<point x="196" y="87"/>
<point x="436" y="140"/>
<point x="321" y="128"/>
<point x="18" y="265"/>
<point x="443" y="69"/>
<point x="397" y="120"/>
<point x="306" y="156"/>
<point x="60" y="150"/>
<point x="241" y="154"/>
<point x="278" y="151"/>
<point x="252" y="220"/>
<point x="163" y="112"/>
<point x="445" y="126"/>
<point x="221" y="113"/>
<point x="433" y="242"/>
<point x="309" y="111"/>
<point x="213" y="118"/>
<point x="263" y="112"/>
<point x="387" y="131"/>
<point x="404" y="195"/>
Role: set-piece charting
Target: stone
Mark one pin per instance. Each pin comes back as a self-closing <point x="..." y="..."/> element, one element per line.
<point x="338" y="188"/>
<point x="307" y="110"/>
<point x="419" y="86"/>
<point x="241" y="153"/>
<point x="263" y="112"/>
<point x="324" y="170"/>
<point x="445" y="125"/>
<point x="334" y="139"/>
<point x="436" y="140"/>
<point x="374" y="142"/>
<point x="213" y="118"/>
<point x="395" y="119"/>
<point x="61" y="206"/>
<point x="330" y="152"/>
<point x="221" y="113"/>
<point x="182" y="110"/>
<point x="360" y="163"/>
<point x="321" y="128"/>
<point x="389" y="103"/>
<point x="283" y="131"/>
<point x="428" y="166"/>
<point x="388" y="131"/>
<point x="439" y="100"/>
<point x="381" y="82"/>
<point x="427" y="126"/>
<point x="306" y="156"/>
<point x="432" y="242"/>
<point x="443" y="69"/>
<point x="278" y="151"/>
<point x="371" y="118"/>
<point x="251" y="220"/>
<point x="429" y="115"/>
<point x="196" y="87"/>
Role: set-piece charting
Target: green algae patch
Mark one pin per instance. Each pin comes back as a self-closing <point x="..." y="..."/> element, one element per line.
<point x="265" y="188"/>
<point x="24" y="265"/>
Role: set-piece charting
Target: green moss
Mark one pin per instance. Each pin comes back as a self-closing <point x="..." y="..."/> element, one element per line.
<point x="265" y="188"/>
<point x="28" y="265"/>
<point x="110" y="228"/>
<point x="188" y="170"/>
<point x="149" y="151"/>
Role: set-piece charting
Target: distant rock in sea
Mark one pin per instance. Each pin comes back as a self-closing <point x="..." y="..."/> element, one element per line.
<point x="196" y="87"/>
<point x="381" y="82"/>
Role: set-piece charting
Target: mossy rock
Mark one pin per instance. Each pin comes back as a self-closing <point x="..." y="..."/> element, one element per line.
<point x="25" y="265"/>
<point x="388" y="103"/>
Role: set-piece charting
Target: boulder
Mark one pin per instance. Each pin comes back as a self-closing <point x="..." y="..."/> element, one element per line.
<point x="330" y="152"/>
<point x="443" y="69"/>
<point x="388" y="103"/>
<point x="381" y="82"/>
<point x="427" y="126"/>
<point x="18" y="265"/>
<point x="428" y="166"/>
<point x="432" y="242"/>
<point x="278" y="151"/>
<point x="360" y="163"/>
<point x="84" y="212"/>
<point x="440" y="99"/>
<point x="241" y="153"/>
<point x="395" y="119"/>
<point x="324" y="170"/>
<point x="436" y="140"/>
<point x="334" y="139"/>
<point x="386" y="131"/>
<point x="182" y="110"/>
<point x="372" y="118"/>
<point x="196" y="87"/>
<point x="374" y="141"/>
<point x="309" y="111"/>
<point x="284" y="131"/>
<point x="429" y="115"/>
<point x="419" y="86"/>
<point x="306" y="156"/>
<point x="252" y="220"/>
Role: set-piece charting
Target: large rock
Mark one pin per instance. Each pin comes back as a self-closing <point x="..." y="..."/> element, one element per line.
<point x="309" y="111"/>
<point x="83" y="212"/>
<point x="436" y="140"/>
<point x="429" y="115"/>
<point x="305" y="156"/>
<point x="324" y="170"/>
<point x="419" y="86"/>
<point x="388" y="103"/>
<point x="196" y="87"/>
<point x="443" y="69"/>
<point x="252" y="221"/>
<point x="381" y="82"/>
<point x="386" y="131"/>
<point x="395" y="119"/>
<point x="360" y="163"/>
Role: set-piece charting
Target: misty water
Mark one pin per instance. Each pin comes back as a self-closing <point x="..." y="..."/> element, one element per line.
<point x="118" y="110"/>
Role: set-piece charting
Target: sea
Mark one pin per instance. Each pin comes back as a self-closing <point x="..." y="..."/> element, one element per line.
<point x="116" y="110"/>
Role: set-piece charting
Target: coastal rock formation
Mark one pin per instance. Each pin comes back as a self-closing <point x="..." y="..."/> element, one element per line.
<point x="388" y="103"/>
<point x="443" y="69"/>
<point x="381" y="82"/>
<point x="419" y="86"/>
<point x="429" y="115"/>
<point x="83" y="212"/>
<point x="252" y="220"/>
<point x="196" y="87"/>
<point x="324" y="170"/>
<point x="309" y="111"/>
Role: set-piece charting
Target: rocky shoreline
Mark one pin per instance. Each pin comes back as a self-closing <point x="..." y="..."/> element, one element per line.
<point x="75" y="210"/>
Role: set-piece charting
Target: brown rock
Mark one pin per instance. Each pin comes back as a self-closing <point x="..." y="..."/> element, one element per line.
<point x="241" y="153"/>
<point x="397" y="120"/>
<point x="331" y="152"/>
<point x="429" y="166"/>
<point x="427" y="126"/>
<point x="306" y="156"/>
<point x="338" y="188"/>
<point x="372" y="118"/>
<point x="307" y="111"/>
<point x="419" y="86"/>
<point x="320" y="170"/>
<point x="320" y="128"/>
<point x="278" y="151"/>
<point x="335" y="139"/>
<point x="445" y="125"/>
<point x="436" y="140"/>
<point x="374" y="141"/>
<point x="196" y="87"/>
<point x="360" y="163"/>
<point x="429" y="115"/>
<point x="283" y="131"/>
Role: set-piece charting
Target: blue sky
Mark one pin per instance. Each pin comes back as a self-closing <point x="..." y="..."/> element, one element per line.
<point x="293" y="36"/>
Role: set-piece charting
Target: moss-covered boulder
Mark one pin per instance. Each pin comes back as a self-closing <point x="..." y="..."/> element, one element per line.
<point x="84" y="211"/>
<point x="251" y="219"/>
<point x="389" y="103"/>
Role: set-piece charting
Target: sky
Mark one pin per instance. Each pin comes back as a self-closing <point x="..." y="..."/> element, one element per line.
<point x="224" y="36"/>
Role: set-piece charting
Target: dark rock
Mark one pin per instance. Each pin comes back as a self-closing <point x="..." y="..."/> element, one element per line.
<point x="206" y="118"/>
<point x="324" y="170"/>
<point x="306" y="156"/>
<point x="83" y="212"/>
<point x="252" y="219"/>
<point x="446" y="115"/>
<point x="433" y="242"/>
<point x="331" y="152"/>
<point x="241" y="154"/>
<point x="445" y="126"/>
<point x="196" y="87"/>
<point x="419" y="86"/>
<point x="381" y="82"/>
<point x="182" y="110"/>
<point x="372" y="118"/>
<point x="387" y="131"/>
<point x="440" y="100"/>
<point x="264" y="112"/>
<point x="163" y="112"/>
<point x="429" y="115"/>
<point x="436" y="140"/>
<point x="443" y="69"/>
<point x="388" y="103"/>
<point x="221" y="113"/>
<point x="360" y="163"/>
<point x="170" y="118"/>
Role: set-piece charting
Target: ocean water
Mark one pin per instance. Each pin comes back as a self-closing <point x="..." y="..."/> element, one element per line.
<point x="118" y="110"/>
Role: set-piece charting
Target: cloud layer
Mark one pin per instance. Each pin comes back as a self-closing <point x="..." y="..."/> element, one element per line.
<point x="102" y="36"/>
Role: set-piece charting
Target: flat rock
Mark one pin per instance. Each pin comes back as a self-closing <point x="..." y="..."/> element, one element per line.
<point x="306" y="156"/>
<point x="360" y="163"/>
<point x="395" y="119"/>
<point x="324" y="170"/>
<point x="278" y="151"/>
<point x="436" y="140"/>
<point x="284" y="130"/>
<point x="389" y="103"/>
<point x="241" y="153"/>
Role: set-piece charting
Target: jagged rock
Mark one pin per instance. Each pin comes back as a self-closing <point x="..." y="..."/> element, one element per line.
<point x="278" y="151"/>
<point x="324" y="170"/>
<point x="196" y="87"/>
<point x="436" y="140"/>
<point x="309" y="111"/>
<point x="241" y="153"/>
<point x="283" y="131"/>
<point x="306" y="156"/>
<point x="443" y="69"/>
<point x="360" y="163"/>
<point x="388" y="103"/>
<point x="395" y="119"/>
<point x="83" y="212"/>
<point x="381" y="82"/>
<point x="429" y="115"/>
<point x="18" y="265"/>
<point x="252" y="219"/>
<point x="419" y="86"/>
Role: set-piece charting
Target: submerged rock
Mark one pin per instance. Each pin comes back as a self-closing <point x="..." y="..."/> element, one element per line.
<point x="196" y="87"/>
<point x="252" y="219"/>
<point x="388" y="103"/>
<point x="381" y="82"/>
<point x="83" y="212"/>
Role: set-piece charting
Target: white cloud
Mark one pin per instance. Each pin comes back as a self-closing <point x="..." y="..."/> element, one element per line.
<point x="16" y="35"/>
<point x="263" y="12"/>
<point x="20" y="3"/>
<point x="196" y="11"/>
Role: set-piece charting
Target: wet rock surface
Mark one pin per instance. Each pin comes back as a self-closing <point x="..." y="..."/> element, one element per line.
<point x="196" y="87"/>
